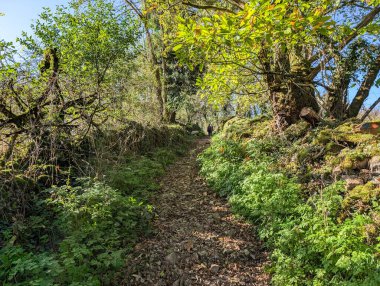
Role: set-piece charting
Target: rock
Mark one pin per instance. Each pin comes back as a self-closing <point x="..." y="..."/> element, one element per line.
<point x="214" y="268"/>
<point x="365" y="174"/>
<point x="376" y="181"/>
<point x="353" y="182"/>
<point x="362" y="164"/>
<point x="374" y="165"/>
<point x="172" y="258"/>
<point x="194" y="132"/>
<point x="188" y="245"/>
<point x="310" y="116"/>
<point x="337" y="171"/>
<point x="195" y="257"/>
<point x="203" y="253"/>
<point x="246" y="252"/>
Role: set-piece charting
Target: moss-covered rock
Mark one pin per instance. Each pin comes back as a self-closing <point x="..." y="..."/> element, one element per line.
<point x="362" y="197"/>
<point x="240" y="127"/>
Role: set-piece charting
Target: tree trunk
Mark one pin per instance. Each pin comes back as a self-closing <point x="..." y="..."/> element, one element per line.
<point x="288" y="88"/>
<point x="9" y="151"/>
<point x="310" y="116"/>
<point x="364" y="116"/>
<point x="153" y="59"/>
<point x="157" y="75"/>
<point x="172" y="117"/>
<point x="288" y="103"/>
<point x="364" y="89"/>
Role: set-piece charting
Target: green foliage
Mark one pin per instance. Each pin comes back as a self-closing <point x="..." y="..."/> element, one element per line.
<point x="90" y="37"/>
<point x="136" y="176"/>
<point x="90" y="225"/>
<point x="19" y="267"/>
<point x="313" y="241"/>
<point x="99" y="225"/>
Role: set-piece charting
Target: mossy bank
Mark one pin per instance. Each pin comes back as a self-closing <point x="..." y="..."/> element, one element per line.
<point x="313" y="194"/>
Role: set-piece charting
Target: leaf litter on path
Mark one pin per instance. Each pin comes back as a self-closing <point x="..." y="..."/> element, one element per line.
<point x="196" y="239"/>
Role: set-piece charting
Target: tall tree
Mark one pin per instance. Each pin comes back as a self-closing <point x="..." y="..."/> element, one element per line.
<point x="295" y="48"/>
<point x="67" y="93"/>
<point x="173" y="82"/>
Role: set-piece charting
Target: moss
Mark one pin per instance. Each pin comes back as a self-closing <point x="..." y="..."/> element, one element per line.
<point x="353" y="159"/>
<point x="303" y="154"/>
<point x="297" y="130"/>
<point x="239" y="127"/>
<point x="347" y="133"/>
<point x="372" y="149"/>
<point x="323" y="137"/>
<point x="363" y="194"/>
<point x="333" y="148"/>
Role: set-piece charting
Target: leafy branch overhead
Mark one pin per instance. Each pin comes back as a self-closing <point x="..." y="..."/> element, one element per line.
<point x="290" y="48"/>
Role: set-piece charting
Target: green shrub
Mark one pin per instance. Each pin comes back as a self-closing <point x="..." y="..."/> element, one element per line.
<point x="80" y="235"/>
<point x="136" y="176"/>
<point x="312" y="242"/>
<point x="19" y="267"/>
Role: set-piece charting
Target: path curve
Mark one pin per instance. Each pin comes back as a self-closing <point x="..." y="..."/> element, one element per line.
<point x="196" y="240"/>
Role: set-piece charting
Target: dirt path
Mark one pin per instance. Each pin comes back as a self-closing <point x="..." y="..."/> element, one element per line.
<point x="196" y="239"/>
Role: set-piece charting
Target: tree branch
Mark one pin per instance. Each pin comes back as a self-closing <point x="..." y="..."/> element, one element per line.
<point x="364" y="89"/>
<point x="237" y="3"/>
<point x="370" y="109"/>
<point x="363" y="23"/>
<point x="205" y="7"/>
<point x="135" y="9"/>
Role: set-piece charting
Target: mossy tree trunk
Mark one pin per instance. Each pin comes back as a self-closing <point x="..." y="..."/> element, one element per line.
<point x="289" y="90"/>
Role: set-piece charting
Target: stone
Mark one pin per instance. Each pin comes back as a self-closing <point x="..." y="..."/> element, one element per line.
<point x="194" y="132"/>
<point x="361" y="164"/>
<point x="365" y="174"/>
<point x="351" y="183"/>
<point x="337" y="171"/>
<point x="172" y="258"/>
<point x="214" y="268"/>
<point x="374" y="165"/>
<point x="188" y="245"/>
<point x="376" y="181"/>
<point x="246" y="252"/>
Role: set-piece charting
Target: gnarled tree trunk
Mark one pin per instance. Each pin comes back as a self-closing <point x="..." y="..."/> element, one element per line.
<point x="289" y="90"/>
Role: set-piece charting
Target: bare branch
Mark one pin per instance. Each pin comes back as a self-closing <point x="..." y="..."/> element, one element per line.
<point x="370" y="109"/>
<point x="135" y="9"/>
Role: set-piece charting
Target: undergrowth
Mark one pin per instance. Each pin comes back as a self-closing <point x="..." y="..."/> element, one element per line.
<point x="81" y="232"/>
<point x="311" y="242"/>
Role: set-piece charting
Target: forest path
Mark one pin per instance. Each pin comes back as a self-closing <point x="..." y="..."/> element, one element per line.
<point x="196" y="239"/>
